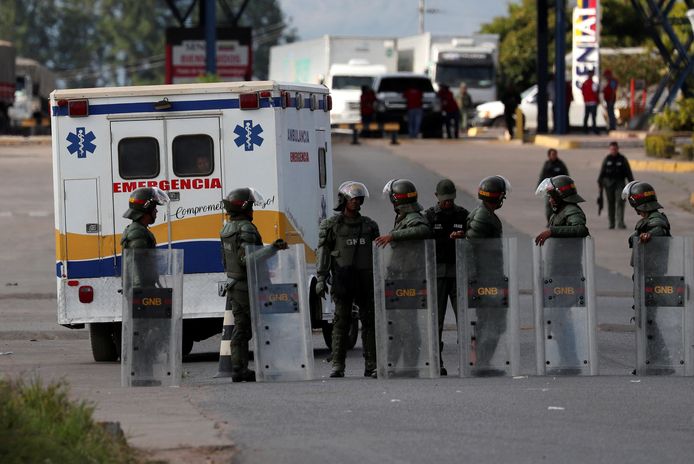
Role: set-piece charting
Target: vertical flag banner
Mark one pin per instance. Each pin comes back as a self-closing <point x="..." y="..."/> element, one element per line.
<point x="586" y="44"/>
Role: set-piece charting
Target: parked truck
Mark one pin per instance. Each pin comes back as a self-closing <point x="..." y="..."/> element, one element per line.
<point x="453" y="60"/>
<point x="33" y="85"/>
<point x="343" y="64"/>
<point x="7" y="83"/>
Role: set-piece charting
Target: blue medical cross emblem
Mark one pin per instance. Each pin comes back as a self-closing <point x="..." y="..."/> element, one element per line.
<point x="81" y="142"/>
<point x="248" y="135"/>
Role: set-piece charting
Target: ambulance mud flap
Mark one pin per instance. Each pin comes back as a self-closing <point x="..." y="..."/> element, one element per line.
<point x="278" y="291"/>
<point x="663" y="278"/>
<point x="407" y="343"/>
<point x="152" y="317"/>
<point x="488" y="327"/>
<point x="564" y="300"/>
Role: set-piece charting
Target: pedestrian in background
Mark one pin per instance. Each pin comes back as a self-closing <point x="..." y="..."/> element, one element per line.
<point x="413" y="98"/>
<point x="447" y="221"/>
<point x="614" y="174"/>
<point x="552" y="167"/>
<point x="609" y="94"/>
<point x="451" y="111"/>
<point x="466" y="107"/>
<point x="511" y="101"/>
<point x="367" y="101"/>
<point x="590" y="91"/>
<point x="344" y="259"/>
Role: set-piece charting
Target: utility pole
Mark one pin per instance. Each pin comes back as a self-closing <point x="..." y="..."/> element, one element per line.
<point x="423" y="10"/>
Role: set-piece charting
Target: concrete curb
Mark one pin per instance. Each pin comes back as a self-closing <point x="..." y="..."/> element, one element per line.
<point x="10" y="140"/>
<point x="662" y="165"/>
<point x="564" y="143"/>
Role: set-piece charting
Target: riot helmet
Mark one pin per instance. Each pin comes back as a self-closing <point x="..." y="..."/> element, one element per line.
<point x="241" y="200"/>
<point x="445" y="190"/>
<point x="494" y="189"/>
<point x="561" y="188"/>
<point x="402" y="194"/>
<point x="641" y="196"/>
<point x="348" y="190"/>
<point x="144" y="201"/>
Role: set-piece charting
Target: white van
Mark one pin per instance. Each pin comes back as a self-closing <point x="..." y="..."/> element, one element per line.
<point x="196" y="142"/>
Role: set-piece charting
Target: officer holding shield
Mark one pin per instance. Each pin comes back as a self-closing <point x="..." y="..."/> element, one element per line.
<point x="483" y="223"/>
<point x="567" y="220"/>
<point x="344" y="259"/>
<point x="236" y="233"/>
<point x="447" y="221"/>
<point x="142" y="209"/>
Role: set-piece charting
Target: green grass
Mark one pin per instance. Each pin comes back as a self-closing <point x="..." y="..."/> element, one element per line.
<point x="40" y="424"/>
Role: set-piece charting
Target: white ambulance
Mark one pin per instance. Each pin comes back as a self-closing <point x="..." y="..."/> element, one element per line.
<point x="196" y="142"/>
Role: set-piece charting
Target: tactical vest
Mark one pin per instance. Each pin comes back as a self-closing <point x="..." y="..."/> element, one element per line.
<point x="444" y="222"/>
<point x="135" y="231"/>
<point x="235" y="234"/>
<point x="353" y="243"/>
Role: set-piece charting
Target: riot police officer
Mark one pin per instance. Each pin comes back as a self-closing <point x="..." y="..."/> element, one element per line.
<point x="653" y="223"/>
<point x="410" y="223"/>
<point x="447" y="221"/>
<point x="483" y="223"/>
<point x="567" y="220"/>
<point x="142" y="209"/>
<point x="236" y="233"/>
<point x="345" y="260"/>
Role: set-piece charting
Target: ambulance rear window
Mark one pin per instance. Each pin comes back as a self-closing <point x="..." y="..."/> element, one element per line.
<point x="193" y="155"/>
<point x="138" y="158"/>
<point x="322" y="172"/>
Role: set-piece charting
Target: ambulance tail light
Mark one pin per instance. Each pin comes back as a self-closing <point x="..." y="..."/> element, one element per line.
<point x="328" y="103"/>
<point x="78" y="108"/>
<point x="249" y="101"/>
<point x="86" y="293"/>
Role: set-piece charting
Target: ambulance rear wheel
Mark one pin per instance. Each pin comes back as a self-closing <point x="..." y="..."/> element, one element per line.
<point x="104" y="347"/>
<point x="327" y="330"/>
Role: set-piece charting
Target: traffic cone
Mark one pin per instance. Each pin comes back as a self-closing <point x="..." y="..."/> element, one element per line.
<point x="225" y="346"/>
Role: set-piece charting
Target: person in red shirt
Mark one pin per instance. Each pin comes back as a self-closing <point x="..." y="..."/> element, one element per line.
<point x="590" y="99"/>
<point x="366" y="108"/>
<point x="451" y="111"/>
<point x="413" y="97"/>
<point x="609" y="94"/>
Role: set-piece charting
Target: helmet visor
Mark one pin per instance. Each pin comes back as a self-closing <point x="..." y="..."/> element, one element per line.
<point x="627" y="189"/>
<point x="506" y="183"/>
<point x="159" y="196"/>
<point x="387" y="188"/>
<point x="352" y="189"/>
<point x="255" y="196"/>
<point x="544" y="188"/>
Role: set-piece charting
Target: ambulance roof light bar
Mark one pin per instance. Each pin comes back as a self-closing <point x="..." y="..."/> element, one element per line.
<point x="249" y="101"/>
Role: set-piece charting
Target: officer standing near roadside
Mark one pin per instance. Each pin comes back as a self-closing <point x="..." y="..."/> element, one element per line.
<point x="552" y="167"/>
<point x="344" y="258"/>
<point x="447" y="221"/>
<point x="483" y="223"/>
<point x="236" y="233"/>
<point x="615" y="169"/>
<point x="142" y="209"/>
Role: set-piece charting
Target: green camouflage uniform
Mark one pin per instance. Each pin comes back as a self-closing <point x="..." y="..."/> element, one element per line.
<point x="656" y="224"/>
<point x="569" y="221"/>
<point x="236" y="233"/>
<point x="483" y="223"/>
<point x="344" y="250"/>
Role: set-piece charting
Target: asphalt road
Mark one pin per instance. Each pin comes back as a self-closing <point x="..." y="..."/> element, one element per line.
<point x="614" y="417"/>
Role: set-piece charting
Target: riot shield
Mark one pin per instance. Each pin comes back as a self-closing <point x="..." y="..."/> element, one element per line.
<point x="488" y="329"/>
<point x="278" y="294"/>
<point x="407" y="339"/>
<point x="152" y="317"/>
<point x="564" y="300"/>
<point x="663" y="278"/>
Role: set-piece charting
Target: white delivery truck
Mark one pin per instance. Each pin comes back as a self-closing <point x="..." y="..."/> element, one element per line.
<point x="454" y="60"/>
<point x="196" y="142"/>
<point x="343" y="64"/>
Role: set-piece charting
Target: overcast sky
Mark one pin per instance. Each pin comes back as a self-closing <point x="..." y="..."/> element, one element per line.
<point x="314" y="18"/>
